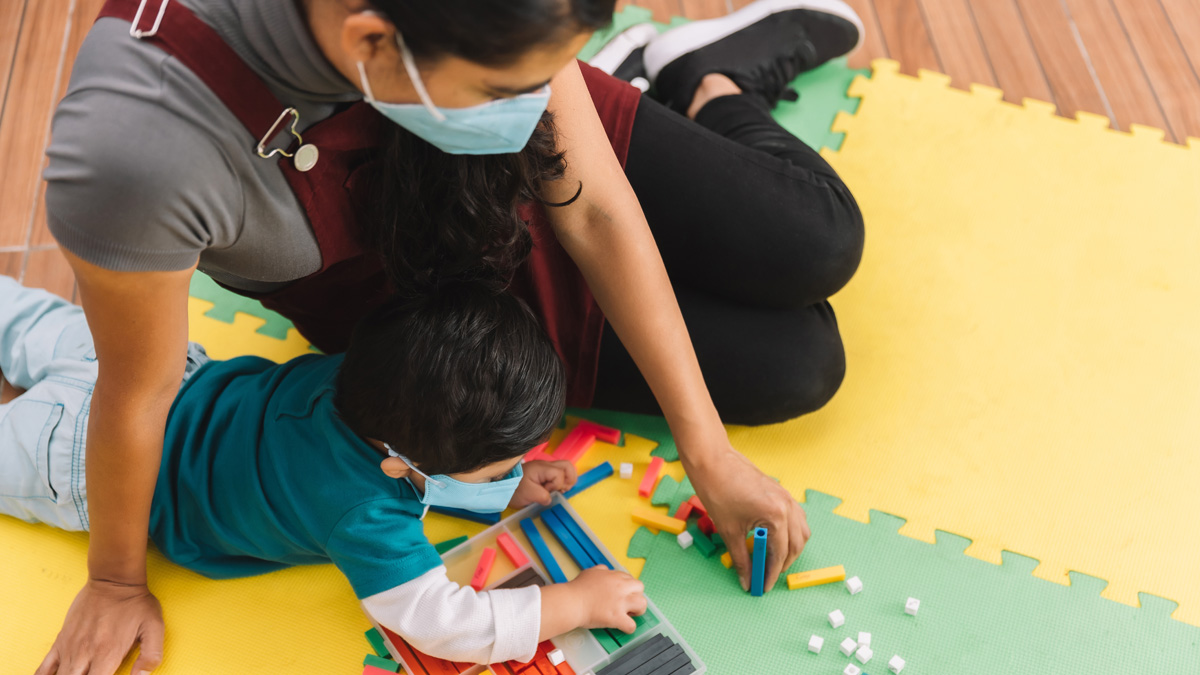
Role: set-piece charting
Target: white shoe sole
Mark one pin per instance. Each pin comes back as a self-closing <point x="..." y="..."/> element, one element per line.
<point x="692" y="36"/>
<point x="613" y="54"/>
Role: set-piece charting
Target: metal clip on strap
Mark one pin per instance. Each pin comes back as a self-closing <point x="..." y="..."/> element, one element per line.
<point x="135" y="32"/>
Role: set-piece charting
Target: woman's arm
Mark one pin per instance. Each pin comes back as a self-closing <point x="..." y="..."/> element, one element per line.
<point x="606" y="234"/>
<point x="139" y="324"/>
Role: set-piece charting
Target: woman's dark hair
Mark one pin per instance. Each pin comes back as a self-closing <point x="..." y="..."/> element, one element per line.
<point x="491" y="32"/>
<point x="454" y="379"/>
<point x="440" y="216"/>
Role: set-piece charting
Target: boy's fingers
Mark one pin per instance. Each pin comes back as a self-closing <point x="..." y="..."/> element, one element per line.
<point x="626" y="625"/>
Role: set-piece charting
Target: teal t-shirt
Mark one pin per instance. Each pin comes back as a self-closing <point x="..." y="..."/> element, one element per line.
<point x="260" y="473"/>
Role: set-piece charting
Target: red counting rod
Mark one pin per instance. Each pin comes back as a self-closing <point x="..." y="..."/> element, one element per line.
<point x="483" y="569"/>
<point x="538" y="453"/>
<point x="602" y="433"/>
<point x="651" y="477"/>
<point x="512" y="550"/>
<point x="574" y="445"/>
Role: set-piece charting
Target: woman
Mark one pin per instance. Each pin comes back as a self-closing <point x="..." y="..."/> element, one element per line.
<point x="175" y="149"/>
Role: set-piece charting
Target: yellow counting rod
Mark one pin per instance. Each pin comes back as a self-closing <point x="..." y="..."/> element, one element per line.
<point x="827" y="575"/>
<point x="727" y="557"/>
<point x="657" y="521"/>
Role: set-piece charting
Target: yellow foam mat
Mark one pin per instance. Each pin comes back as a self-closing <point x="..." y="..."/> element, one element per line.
<point x="1023" y="371"/>
<point x="1023" y="338"/>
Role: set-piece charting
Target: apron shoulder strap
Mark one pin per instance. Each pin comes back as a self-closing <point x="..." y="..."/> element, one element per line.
<point x="173" y="28"/>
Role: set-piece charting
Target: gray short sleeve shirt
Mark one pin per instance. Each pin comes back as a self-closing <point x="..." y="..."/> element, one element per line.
<point x="148" y="170"/>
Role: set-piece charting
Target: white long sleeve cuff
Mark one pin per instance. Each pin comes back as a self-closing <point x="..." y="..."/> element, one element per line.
<point x="452" y="622"/>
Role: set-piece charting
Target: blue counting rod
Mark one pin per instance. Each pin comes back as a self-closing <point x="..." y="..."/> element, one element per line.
<point x="758" y="564"/>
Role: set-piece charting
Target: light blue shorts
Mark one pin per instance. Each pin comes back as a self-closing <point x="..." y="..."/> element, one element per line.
<point x="47" y="350"/>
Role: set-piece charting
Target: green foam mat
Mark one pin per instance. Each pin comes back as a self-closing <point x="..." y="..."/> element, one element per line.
<point x="975" y="617"/>
<point x="226" y="304"/>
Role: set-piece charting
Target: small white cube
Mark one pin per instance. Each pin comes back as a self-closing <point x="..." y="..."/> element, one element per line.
<point x="556" y="657"/>
<point x="896" y="664"/>
<point x="815" y="643"/>
<point x="864" y="654"/>
<point x="864" y="639"/>
<point x="848" y="646"/>
<point x="626" y="470"/>
<point x="685" y="540"/>
<point x="852" y="669"/>
<point x="854" y="585"/>
<point x="911" y="606"/>
<point x="836" y="618"/>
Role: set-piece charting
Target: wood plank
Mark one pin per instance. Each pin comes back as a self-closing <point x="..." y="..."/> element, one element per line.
<point x="11" y="12"/>
<point x="1010" y="51"/>
<point x="82" y="18"/>
<point x="704" y="9"/>
<point x="662" y="10"/>
<point x="1116" y="65"/>
<point x="28" y="104"/>
<point x="873" y="46"/>
<point x="1166" y="64"/>
<point x="10" y="263"/>
<point x="1065" y="66"/>
<point x="958" y="43"/>
<point x="1185" y="19"/>
<point x="906" y="35"/>
<point x="48" y="268"/>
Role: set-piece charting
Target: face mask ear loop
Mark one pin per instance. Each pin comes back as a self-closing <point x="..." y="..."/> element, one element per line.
<point x="411" y="66"/>
<point x="393" y="453"/>
<point x="367" y="93"/>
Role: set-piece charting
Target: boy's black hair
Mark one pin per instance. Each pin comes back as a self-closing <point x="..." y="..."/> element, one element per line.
<point x="454" y="379"/>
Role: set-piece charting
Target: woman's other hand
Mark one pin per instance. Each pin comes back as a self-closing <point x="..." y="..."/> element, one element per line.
<point x="102" y="625"/>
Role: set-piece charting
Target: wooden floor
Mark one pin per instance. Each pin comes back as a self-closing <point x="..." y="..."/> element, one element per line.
<point x="1133" y="61"/>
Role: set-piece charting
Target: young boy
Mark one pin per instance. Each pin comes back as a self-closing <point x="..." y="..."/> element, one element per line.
<point x="328" y="458"/>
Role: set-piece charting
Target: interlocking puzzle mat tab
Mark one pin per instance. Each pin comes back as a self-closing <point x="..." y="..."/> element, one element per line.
<point x="975" y="617"/>
<point x="1023" y="365"/>
<point x="229" y="325"/>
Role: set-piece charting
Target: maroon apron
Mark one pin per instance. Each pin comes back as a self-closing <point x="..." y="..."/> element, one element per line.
<point x="325" y="305"/>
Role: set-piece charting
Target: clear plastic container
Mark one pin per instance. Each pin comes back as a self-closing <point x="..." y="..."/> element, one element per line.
<point x="583" y="651"/>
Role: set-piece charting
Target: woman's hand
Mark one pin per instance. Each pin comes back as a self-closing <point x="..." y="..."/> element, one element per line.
<point x="102" y="625"/>
<point x="540" y="479"/>
<point x="740" y="497"/>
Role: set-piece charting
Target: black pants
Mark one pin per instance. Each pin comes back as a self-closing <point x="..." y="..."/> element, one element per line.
<point x="756" y="231"/>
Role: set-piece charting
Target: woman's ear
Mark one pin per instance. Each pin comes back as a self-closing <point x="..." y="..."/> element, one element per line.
<point x="364" y="33"/>
<point x="395" y="467"/>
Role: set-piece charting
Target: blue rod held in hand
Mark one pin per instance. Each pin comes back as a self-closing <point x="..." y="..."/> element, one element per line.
<point x="758" y="564"/>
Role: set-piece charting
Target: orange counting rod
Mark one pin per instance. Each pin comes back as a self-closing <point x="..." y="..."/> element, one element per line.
<point x="658" y="521"/>
<point x="651" y="477"/>
<point x="685" y="510"/>
<point x="483" y="569"/>
<point x="511" y="550"/>
<point x="697" y="506"/>
<point x="827" y="575"/>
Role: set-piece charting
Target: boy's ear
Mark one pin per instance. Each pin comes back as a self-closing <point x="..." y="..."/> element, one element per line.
<point x="394" y="467"/>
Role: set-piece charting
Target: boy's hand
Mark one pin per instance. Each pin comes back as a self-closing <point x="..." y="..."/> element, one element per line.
<point x="540" y="479"/>
<point x="610" y="597"/>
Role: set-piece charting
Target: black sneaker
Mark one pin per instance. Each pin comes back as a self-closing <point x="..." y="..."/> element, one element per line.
<point x="621" y="57"/>
<point x="761" y="47"/>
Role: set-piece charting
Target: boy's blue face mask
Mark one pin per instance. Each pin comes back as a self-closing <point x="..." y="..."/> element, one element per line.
<point x="493" y="128"/>
<point x="442" y="490"/>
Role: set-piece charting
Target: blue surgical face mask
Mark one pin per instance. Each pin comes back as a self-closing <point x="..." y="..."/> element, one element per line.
<point x="442" y="490"/>
<point x="493" y="128"/>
